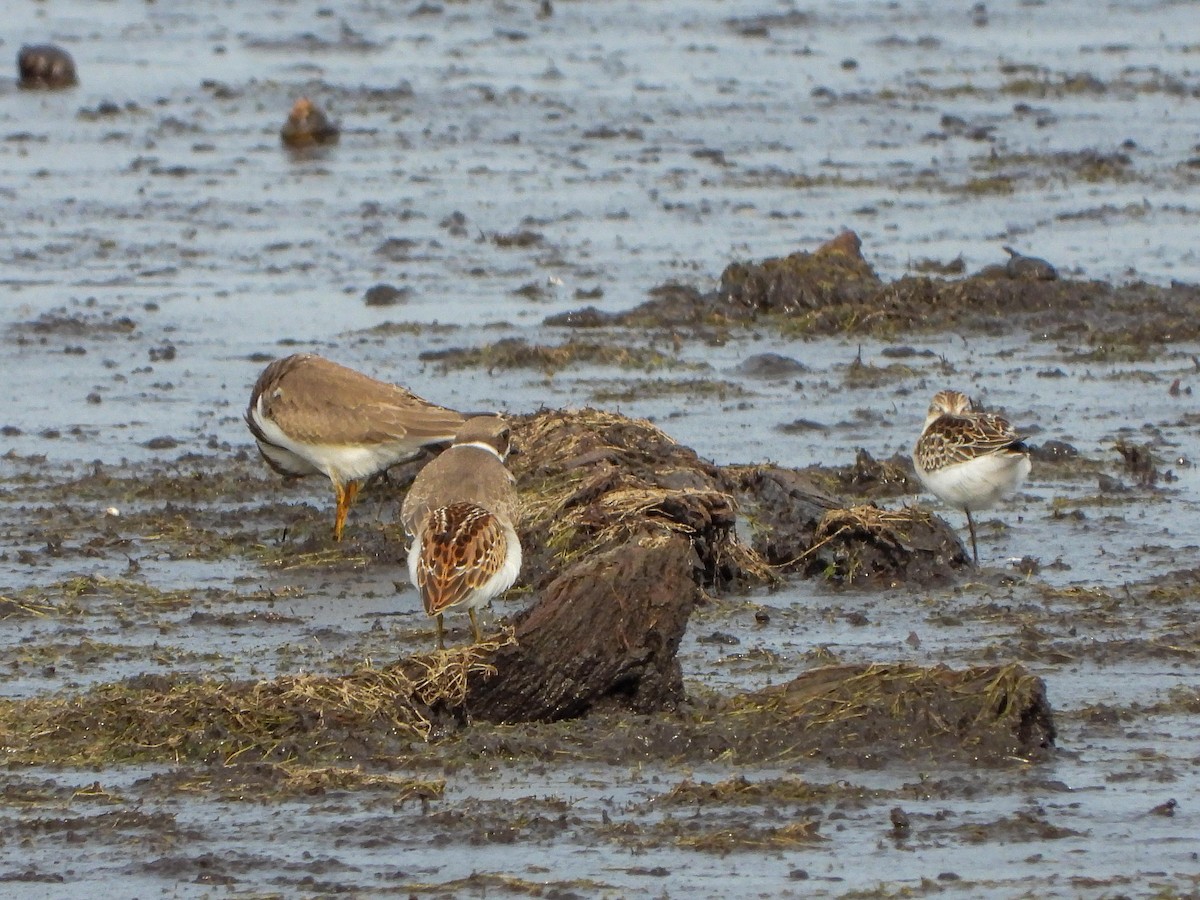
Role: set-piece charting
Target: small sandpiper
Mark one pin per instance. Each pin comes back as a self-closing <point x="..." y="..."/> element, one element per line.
<point x="312" y="416"/>
<point x="308" y="126"/>
<point x="459" y="514"/>
<point x="969" y="459"/>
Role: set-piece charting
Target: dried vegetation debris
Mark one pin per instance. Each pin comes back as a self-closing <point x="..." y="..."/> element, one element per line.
<point x="624" y="528"/>
<point x="834" y="290"/>
<point x="987" y="714"/>
<point x="293" y="717"/>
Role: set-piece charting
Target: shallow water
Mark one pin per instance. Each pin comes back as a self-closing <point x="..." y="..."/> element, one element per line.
<point x="644" y="143"/>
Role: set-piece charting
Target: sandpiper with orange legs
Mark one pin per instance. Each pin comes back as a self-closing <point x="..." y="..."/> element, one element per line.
<point x="312" y="416"/>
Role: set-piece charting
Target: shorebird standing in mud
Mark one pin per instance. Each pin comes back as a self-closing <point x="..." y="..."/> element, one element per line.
<point x="459" y="514"/>
<point x="312" y="416"/>
<point x="969" y="459"/>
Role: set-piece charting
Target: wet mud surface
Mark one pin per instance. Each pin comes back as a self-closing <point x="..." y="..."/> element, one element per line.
<point x="544" y="207"/>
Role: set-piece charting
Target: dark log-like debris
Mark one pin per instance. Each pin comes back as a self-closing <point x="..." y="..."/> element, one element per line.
<point x="606" y="630"/>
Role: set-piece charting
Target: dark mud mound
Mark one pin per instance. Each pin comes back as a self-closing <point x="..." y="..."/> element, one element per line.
<point x="867" y="714"/>
<point x="605" y="632"/>
<point x="592" y="481"/>
<point x="783" y="508"/>
<point x="866" y="546"/>
<point x="836" y="275"/>
<point x="834" y="290"/>
<point x="622" y="527"/>
<point x="798" y="525"/>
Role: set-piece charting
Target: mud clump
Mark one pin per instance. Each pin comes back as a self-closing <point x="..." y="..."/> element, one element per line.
<point x="866" y="546"/>
<point x="592" y="481"/>
<point x="834" y="290"/>
<point x="784" y="508"/>
<point x="800" y="524"/>
<point x="836" y="274"/>
<point x="864" y="714"/>
<point x="45" y="67"/>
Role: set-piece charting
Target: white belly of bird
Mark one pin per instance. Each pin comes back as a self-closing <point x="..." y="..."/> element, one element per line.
<point x="340" y="463"/>
<point x="978" y="483"/>
<point x="504" y="578"/>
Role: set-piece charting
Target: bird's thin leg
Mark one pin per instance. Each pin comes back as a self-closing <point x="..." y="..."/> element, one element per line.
<point x="974" y="547"/>
<point x="441" y="633"/>
<point x="345" y="498"/>
<point x="475" y="625"/>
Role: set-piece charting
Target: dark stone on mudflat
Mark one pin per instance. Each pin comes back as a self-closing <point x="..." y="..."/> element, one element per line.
<point x="1030" y="268"/>
<point x="1052" y="451"/>
<point x="385" y="295"/>
<point x="45" y="66"/>
<point x="770" y="365"/>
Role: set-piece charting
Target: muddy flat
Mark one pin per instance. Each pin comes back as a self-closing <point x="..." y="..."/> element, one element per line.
<point x="502" y="166"/>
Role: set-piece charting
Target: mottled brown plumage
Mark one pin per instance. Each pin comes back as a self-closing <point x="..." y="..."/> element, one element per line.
<point x="463" y="547"/>
<point x="969" y="459"/>
<point x="956" y="433"/>
<point x="460" y="513"/>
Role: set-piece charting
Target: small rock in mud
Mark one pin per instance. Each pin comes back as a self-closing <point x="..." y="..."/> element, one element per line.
<point x="385" y="295"/>
<point x="770" y="365"/>
<point x="800" y="426"/>
<point x="1052" y="451"/>
<point x="1030" y="268"/>
<point x="45" y="66"/>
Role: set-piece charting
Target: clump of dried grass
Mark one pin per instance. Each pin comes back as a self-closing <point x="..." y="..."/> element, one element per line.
<point x="591" y="480"/>
<point x="289" y="718"/>
<point x="993" y="712"/>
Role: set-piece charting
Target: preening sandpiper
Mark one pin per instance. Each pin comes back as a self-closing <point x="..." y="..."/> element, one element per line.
<point x="312" y="416"/>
